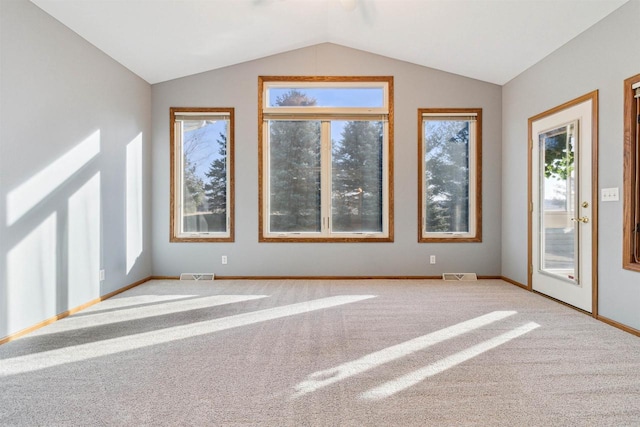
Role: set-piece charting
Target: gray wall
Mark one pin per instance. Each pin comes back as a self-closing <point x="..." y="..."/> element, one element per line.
<point x="71" y="119"/>
<point x="601" y="58"/>
<point x="415" y="87"/>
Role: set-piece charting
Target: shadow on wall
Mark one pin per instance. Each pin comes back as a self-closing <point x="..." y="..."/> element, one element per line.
<point x="54" y="229"/>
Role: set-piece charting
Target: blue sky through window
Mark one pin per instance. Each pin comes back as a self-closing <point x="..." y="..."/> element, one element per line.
<point x="354" y="97"/>
<point x="201" y="145"/>
<point x="362" y="97"/>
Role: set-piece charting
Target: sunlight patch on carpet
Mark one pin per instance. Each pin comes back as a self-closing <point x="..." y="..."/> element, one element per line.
<point x="330" y="376"/>
<point x="404" y="382"/>
<point x="137" y="313"/>
<point x="83" y="352"/>
<point x="119" y="302"/>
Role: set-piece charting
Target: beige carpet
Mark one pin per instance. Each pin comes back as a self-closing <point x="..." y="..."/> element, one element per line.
<point x="323" y="353"/>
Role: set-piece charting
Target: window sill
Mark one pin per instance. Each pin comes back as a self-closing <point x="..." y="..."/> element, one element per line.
<point x="451" y="239"/>
<point x="201" y="239"/>
<point x="289" y="238"/>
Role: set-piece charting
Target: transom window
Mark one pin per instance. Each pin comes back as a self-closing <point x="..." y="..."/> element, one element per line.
<point x="325" y="158"/>
<point x="449" y="189"/>
<point x="201" y="174"/>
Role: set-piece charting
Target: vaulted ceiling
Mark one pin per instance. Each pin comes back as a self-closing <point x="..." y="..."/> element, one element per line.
<point x="489" y="40"/>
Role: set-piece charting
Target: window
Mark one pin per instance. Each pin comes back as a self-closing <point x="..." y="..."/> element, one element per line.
<point x="449" y="189"/>
<point x="325" y="159"/>
<point x="201" y="175"/>
<point x="631" y="225"/>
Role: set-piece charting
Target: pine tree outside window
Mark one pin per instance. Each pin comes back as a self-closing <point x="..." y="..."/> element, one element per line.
<point x="201" y="174"/>
<point x="449" y="189"/>
<point x="325" y="159"/>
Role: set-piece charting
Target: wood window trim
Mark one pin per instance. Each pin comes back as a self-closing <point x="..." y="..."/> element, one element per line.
<point x="631" y="190"/>
<point x="173" y="237"/>
<point x="388" y="80"/>
<point x="478" y="175"/>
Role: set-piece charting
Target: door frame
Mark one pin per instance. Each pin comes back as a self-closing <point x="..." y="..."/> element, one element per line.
<point x="593" y="97"/>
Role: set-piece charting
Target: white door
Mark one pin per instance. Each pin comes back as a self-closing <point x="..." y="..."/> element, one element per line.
<point x="562" y="205"/>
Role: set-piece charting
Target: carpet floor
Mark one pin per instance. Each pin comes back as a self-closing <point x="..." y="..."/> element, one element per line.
<point x="323" y="353"/>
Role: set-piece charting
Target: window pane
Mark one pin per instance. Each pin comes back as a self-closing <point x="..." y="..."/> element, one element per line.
<point x="204" y="180"/>
<point x="446" y="176"/>
<point x="322" y="159"/>
<point x="356" y="97"/>
<point x="294" y="176"/>
<point x="558" y="237"/>
<point x="356" y="176"/>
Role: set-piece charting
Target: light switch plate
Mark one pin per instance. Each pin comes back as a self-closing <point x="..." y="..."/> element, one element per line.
<point x="609" y="194"/>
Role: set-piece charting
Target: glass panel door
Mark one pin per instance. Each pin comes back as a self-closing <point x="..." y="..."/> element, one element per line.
<point x="563" y="202"/>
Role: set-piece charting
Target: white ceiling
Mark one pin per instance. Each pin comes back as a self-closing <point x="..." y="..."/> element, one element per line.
<point x="490" y="40"/>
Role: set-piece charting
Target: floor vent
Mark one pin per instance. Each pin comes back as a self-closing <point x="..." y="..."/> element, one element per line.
<point x="197" y="276"/>
<point x="459" y="276"/>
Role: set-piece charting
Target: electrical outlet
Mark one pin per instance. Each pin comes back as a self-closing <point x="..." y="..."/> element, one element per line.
<point x="609" y="194"/>
<point x="102" y="275"/>
<point x="432" y="259"/>
<point x="224" y="259"/>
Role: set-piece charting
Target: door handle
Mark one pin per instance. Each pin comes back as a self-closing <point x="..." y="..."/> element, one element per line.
<point x="583" y="219"/>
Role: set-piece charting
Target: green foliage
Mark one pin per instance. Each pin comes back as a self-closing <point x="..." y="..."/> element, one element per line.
<point x="558" y="156"/>
<point x="357" y="177"/>
<point x="447" y="175"/>
<point x="295" y="175"/>
<point x="216" y="187"/>
<point x="295" y="169"/>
